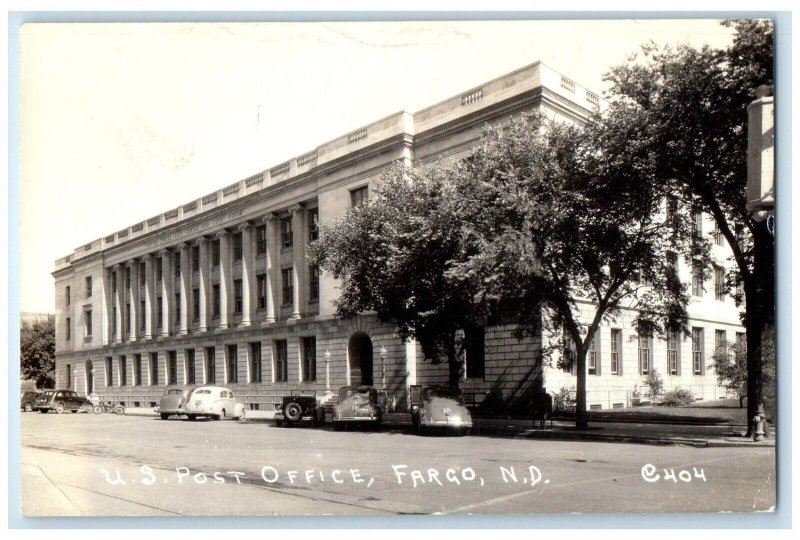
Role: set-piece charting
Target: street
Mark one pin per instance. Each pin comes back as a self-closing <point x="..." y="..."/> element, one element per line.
<point x="84" y="464"/>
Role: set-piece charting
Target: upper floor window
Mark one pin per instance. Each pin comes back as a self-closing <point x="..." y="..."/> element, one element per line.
<point x="159" y="268"/>
<point x="88" y="286"/>
<point x="237" y="247"/>
<point x="215" y="253"/>
<point x="195" y="258"/>
<point x="196" y="304"/>
<point x="69" y="329"/>
<point x="313" y="224"/>
<point x="261" y="240"/>
<point x="288" y="288"/>
<point x="88" y="324"/>
<point x="359" y="196"/>
<point x="142" y="273"/>
<point x="717" y="234"/>
<point x="67" y="295"/>
<point x="286" y="232"/>
<point x="313" y="283"/>
<point x="697" y="280"/>
<point x="719" y="283"/>
<point x="215" y="291"/>
<point x="127" y="278"/>
<point x="697" y="221"/>
<point x="261" y="280"/>
<point x="720" y="338"/>
<point x="237" y="296"/>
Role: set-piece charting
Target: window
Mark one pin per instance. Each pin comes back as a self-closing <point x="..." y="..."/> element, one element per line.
<point x="697" y="350"/>
<point x="616" y="351"/>
<point x="255" y="362"/>
<point x="137" y="370"/>
<point x="88" y="286"/>
<point x="475" y="352"/>
<point x="741" y="339"/>
<point x="309" y="358"/>
<point x="172" y="367"/>
<point x="313" y="224"/>
<point x="114" y="322"/>
<point x="230" y="352"/>
<point x="358" y="196"/>
<point x="109" y="371"/>
<point x="717" y="234"/>
<point x="123" y="370"/>
<point x="195" y="259"/>
<point x="697" y="222"/>
<point x="154" y="369"/>
<point x="159" y="312"/>
<point x="237" y="296"/>
<point x="591" y="357"/>
<point x="142" y="273"/>
<point x="177" y="262"/>
<point x="177" y="308"/>
<point x="196" y="304"/>
<point x="281" y="361"/>
<point x="143" y="317"/>
<point x="313" y="283"/>
<point x="644" y="354"/>
<point x="67" y="295"/>
<point x="159" y="268"/>
<point x="211" y="365"/>
<point x="261" y="281"/>
<point x="569" y="353"/>
<point x="719" y="283"/>
<point x="237" y="247"/>
<point x="215" y="253"/>
<point x="190" y="368"/>
<point x="68" y="381"/>
<point x="127" y="278"/>
<point x="286" y="232"/>
<point x="69" y="328"/>
<point x="128" y="318"/>
<point x="673" y="352"/>
<point x="288" y="289"/>
<point x="113" y="281"/>
<point x="697" y="280"/>
<point x="720" y="339"/>
<point x="88" y="331"/>
<point x="215" y="294"/>
<point x="261" y="240"/>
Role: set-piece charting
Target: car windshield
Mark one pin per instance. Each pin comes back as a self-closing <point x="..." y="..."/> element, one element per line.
<point x="48" y="393"/>
<point x="203" y="392"/>
<point x="443" y="392"/>
<point x="175" y="392"/>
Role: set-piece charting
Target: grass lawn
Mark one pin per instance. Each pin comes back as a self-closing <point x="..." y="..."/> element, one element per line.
<point x="712" y="412"/>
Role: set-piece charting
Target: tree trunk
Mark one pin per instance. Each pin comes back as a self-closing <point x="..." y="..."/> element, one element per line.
<point x="453" y="364"/>
<point x="581" y="421"/>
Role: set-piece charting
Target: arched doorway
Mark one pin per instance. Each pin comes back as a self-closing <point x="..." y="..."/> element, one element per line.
<point x="89" y="377"/>
<point x="359" y="350"/>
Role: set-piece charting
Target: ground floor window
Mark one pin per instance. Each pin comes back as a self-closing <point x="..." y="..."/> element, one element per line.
<point x="123" y="370"/>
<point x="616" y="351"/>
<point x="109" y="372"/>
<point x="137" y="369"/>
<point x="255" y="362"/>
<point x="281" y="361"/>
<point x="189" y="353"/>
<point x="172" y="367"/>
<point x="309" y="358"/>
<point x="231" y="352"/>
<point x="592" y="358"/>
<point x="673" y="353"/>
<point x="154" y="369"/>
<point x="211" y="365"/>
<point x="475" y="351"/>
<point x="645" y="347"/>
<point x="697" y="350"/>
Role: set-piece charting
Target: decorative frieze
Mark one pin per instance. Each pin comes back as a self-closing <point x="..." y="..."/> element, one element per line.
<point x="472" y="97"/>
<point x="593" y="98"/>
<point x="256" y="179"/>
<point x="208" y="199"/>
<point x="307" y="159"/>
<point x="154" y="221"/>
<point x="138" y="227"/>
<point x="231" y="190"/>
<point x="567" y="84"/>
<point x="122" y="234"/>
<point x="191" y="207"/>
<point x="280" y="169"/>
<point x="109" y="239"/>
<point x="171" y="214"/>
<point x="357" y="136"/>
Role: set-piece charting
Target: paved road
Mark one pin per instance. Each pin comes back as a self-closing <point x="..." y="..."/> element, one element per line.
<point x="80" y="464"/>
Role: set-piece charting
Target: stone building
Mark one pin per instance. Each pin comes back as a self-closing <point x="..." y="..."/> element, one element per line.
<point x="219" y="291"/>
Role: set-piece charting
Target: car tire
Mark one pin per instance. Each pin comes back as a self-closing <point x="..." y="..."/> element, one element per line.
<point x="28" y="407"/>
<point x="97" y="409"/>
<point x="192" y="418"/>
<point x="293" y="411"/>
<point x="59" y="408"/>
<point x="119" y="409"/>
<point x="164" y="416"/>
<point x="220" y="416"/>
<point x="242" y="416"/>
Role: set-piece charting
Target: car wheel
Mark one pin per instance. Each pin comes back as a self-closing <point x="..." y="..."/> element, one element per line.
<point x="241" y="416"/>
<point x="164" y="416"/>
<point x="97" y="409"/>
<point x="220" y="416"/>
<point x="28" y="407"/>
<point x="119" y="409"/>
<point x="60" y="408"/>
<point x="293" y="411"/>
<point x="192" y="418"/>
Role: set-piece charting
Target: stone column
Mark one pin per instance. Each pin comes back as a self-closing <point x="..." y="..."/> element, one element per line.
<point x="185" y="288"/>
<point x="133" y="299"/>
<point x="108" y="307"/>
<point x="167" y="292"/>
<point x="299" y="266"/>
<point x="120" y="272"/>
<point x="225" y="282"/>
<point x="273" y="267"/>
<point x="149" y="298"/>
<point x="248" y="275"/>
<point x="205" y="284"/>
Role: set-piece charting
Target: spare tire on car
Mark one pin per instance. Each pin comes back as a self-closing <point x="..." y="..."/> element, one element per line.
<point x="293" y="411"/>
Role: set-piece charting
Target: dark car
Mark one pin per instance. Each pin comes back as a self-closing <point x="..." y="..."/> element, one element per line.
<point x="358" y="404"/>
<point x="299" y="409"/>
<point x="62" y="400"/>
<point x="173" y="401"/>
<point x="439" y="408"/>
<point x="28" y="400"/>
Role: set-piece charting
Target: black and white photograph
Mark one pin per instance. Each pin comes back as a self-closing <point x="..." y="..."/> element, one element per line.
<point x="397" y="267"/>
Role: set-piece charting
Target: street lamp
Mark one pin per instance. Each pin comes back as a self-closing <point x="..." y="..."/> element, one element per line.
<point x="383" y="353"/>
<point x="327" y="371"/>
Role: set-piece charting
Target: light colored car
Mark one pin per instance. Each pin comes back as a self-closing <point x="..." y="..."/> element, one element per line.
<point x="439" y="408"/>
<point x="215" y="402"/>
<point x="358" y="404"/>
<point x="174" y="401"/>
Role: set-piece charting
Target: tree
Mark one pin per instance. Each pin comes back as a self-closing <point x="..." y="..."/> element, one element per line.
<point x="694" y="102"/>
<point x="393" y="256"/>
<point x="567" y="223"/>
<point x="729" y="361"/>
<point x="37" y="351"/>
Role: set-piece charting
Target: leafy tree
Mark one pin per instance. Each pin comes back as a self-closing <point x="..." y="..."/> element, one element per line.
<point x="729" y="361"/>
<point x="655" y="382"/>
<point x="394" y="255"/>
<point x="568" y="224"/>
<point x="694" y="104"/>
<point x="37" y="351"/>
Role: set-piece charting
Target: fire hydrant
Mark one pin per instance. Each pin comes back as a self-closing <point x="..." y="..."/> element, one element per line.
<point x="759" y="424"/>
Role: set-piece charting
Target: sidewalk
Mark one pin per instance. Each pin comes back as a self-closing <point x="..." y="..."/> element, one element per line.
<point x="699" y="435"/>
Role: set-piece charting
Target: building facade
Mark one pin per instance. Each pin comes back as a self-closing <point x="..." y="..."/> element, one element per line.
<point x="219" y="290"/>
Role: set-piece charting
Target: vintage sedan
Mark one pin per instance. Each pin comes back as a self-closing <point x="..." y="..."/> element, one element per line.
<point x="173" y="401"/>
<point x="299" y="409"/>
<point x="28" y="400"/>
<point x="60" y="401"/>
<point x="439" y="408"/>
<point x="216" y="402"/>
<point x="358" y="405"/>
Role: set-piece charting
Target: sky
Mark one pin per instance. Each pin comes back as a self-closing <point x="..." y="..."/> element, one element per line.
<point x="121" y="122"/>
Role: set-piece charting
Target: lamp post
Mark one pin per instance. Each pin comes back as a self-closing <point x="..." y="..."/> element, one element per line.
<point x="327" y="371"/>
<point x="383" y="353"/>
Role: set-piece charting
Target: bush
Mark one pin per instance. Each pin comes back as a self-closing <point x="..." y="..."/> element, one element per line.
<point x="677" y="398"/>
<point x="655" y="383"/>
<point x="565" y="399"/>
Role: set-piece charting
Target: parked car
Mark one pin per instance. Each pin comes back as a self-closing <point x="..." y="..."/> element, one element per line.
<point x="358" y="404"/>
<point x="60" y="401"/>
<point x="215" y="402"/>
<point x="173" y="401"/>
<point x="299" y="409"/>
<point x="28" y="400"/>
<point x="439" y="408"/>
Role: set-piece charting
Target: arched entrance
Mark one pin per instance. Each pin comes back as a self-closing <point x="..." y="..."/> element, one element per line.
<point x="89" y="377"/>
<point x="359" y="351"/>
